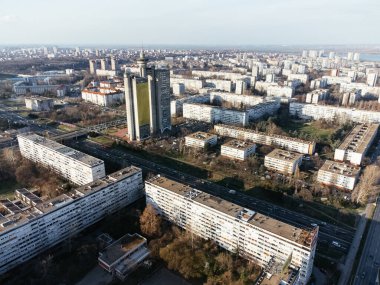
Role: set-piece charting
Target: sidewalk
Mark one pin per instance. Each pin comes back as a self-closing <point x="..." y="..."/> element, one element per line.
<point x="350" y="258"/>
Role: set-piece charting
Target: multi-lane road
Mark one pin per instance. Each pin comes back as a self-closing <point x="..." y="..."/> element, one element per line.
<point x="370" y="258"/>
<point x="327" y="232"/>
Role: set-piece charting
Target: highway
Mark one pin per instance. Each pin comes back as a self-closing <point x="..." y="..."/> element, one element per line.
<point x="370" y="258"/>
<point x="327" y="232"/>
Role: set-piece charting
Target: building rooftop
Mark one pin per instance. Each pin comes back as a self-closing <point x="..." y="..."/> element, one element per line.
<point x="284" y="155"/>
<point x="28" y="205"/>
<point x="121" y="247"/>
<point x="297" y="235"/>
<point x="39" y="98"/>
<point x="359" y="138"/>
<point x="238" y="144"/>
<point x="264" y="134"/>
<point x="201" y="136"/>
<point x="63" y="150"/>
<point x="340" y="168"/>
<point x="104" y="91"/>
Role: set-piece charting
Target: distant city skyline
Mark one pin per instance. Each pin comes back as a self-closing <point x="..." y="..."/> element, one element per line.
<point x="192" y="22"/>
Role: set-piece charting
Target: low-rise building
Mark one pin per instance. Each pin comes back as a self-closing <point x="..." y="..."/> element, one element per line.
<point x="39" y="103"/>
<point x="254" y="236"/>
<point x="237" y="149"/>
<point x="283" y="161"/>
<point x="76" y="166"/>
<point x="30" y="225"/>
<point x="356" y="144"/>
<point x="201" y="140"/>
<point x="288" y="143"/>
<point x="339" y="174"/>
<point x="122" y="256"/>
<point x="104" y="93"/>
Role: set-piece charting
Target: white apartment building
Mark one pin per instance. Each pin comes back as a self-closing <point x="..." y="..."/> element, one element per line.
<point x="190" y="84"/>
<point x="283" y="161"/>
<point x="372" y="79"/>
<point x="103" y="96"/>
<point x="316" y="96"/>
<point x="280" y="91"/>
<point x="176" y="106"/>
<point x="236" y="100"/>
<point x="178" y="89"/>
<point x="224" y="85"/>
<point x="214" y="114"/>
<point x="338" y="174"/>
<point x="32" y="225"/>
<point x="318" y="83"/>
<point x="241" y="86"/>
<point x="73" y="165"/>
<point x="255" y="236"/>
<point x="349" y="98"/>
<point x="21" y="89"/>
<point x="39" y="103"/>
<point x="237" y="149"/>
<point x="316" y="112"/>
<point x="337" y="80"/>
<point x="232" y="76"/>
<point x="288" y="143"/>
<point x="200" y="140"/>
<point x="304" y="78"/>
<point x="364" y="88"/>
<point x="356" y="144"/>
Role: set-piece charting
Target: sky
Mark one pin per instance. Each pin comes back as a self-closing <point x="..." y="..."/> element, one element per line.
<point x="189" y="22"/>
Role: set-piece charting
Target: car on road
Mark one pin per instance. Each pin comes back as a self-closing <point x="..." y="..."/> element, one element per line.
<point x="314" y="225"/>
<point x="232" y="191"/>
<point x="362" y="276"/>
<point x="324" y="223"/>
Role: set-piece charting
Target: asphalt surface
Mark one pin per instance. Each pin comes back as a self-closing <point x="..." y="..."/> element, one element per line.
<point x="370" y="259"/>
<point x="327" y="232"/>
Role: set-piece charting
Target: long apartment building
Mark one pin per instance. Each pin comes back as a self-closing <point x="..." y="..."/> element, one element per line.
<point x="283" y="161"/>
<point x="217" y="114"/>
<point x="356" y="144"/>
<point x="214" y="114"/>
<point x="237" y="149"/>
<point x="30" y="225"/>
<point x="200" y="140"/>
<point x="316" y="112"/>
<point x="73" y="165"/>
<point x="288" y="143"/>
<point x="339" y="174"/>
<point x="255" y="236"/>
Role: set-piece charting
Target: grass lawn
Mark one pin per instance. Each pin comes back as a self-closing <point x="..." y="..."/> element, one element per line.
<point x="309" y="129"/>
<point x="7" y="188"/>
<point x="66" y="128"/>
<point x="103" y="140"/>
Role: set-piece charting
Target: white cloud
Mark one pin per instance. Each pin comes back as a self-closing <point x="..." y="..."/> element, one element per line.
<point x="7" y="18"/>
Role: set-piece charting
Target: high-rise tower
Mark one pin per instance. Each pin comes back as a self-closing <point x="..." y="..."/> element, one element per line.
<point x="147" y="101"/>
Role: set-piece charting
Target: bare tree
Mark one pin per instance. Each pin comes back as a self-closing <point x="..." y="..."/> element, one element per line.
<point x="150" y="222"/>
<point x="368" y="186"/>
